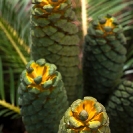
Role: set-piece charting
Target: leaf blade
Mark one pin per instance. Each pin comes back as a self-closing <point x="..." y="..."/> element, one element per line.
<point x="2" y="91"/>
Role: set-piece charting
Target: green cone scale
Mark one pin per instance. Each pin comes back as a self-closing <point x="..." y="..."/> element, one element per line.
<point x="120" y="108"/>
<point x="85" y="116"/>
<point x="42" y="97"/>
<point x="54" y="37"/>
<point x="103" y="57"/>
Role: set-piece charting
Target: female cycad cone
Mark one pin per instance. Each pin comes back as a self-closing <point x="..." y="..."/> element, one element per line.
<point x="54" y="37"/>
<point x="103" y="57"/>
<point x="120" y="108"/>
<point x="85" y="116"/>
<point x="42" y="97"/>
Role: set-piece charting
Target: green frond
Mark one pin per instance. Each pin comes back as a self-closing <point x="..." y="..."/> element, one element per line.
<point x="9" y="109"/>
<point x="12" y="86"/>
<point x="12" y="35"/>
<point x="2" y="91"/>
<point x="14" y="46"/>
<point x="128" y="64"/>
<point x="16" y="13"/>
<point x="14" y="53"/>
<point x="98" y="7"/>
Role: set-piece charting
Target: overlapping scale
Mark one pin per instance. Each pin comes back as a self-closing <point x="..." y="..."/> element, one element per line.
<point x="120" y="108"/>
<point x="103" y="57"/>
<point x="54" y="37"/>
<point x="85" y="116"/>
<point x="42" y="97"/>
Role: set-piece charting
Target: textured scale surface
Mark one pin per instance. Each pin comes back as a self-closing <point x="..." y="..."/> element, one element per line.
<point x="85" y="116"/>
<point x="42" y="97"/>
<point x="54" y="37"/>
<point x="120" y="108"/>
<point x="103" y="57"/>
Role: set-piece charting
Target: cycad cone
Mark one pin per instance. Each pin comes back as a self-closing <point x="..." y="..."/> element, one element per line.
<point x="120" y="108"/>
<point x="103" y="58"/>
<point x="54" y="37"/>
<point x="42" y="97"/>
<point x="85" y="116"/>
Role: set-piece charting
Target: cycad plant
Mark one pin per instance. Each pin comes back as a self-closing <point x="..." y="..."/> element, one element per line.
<point x="56" y="36"/>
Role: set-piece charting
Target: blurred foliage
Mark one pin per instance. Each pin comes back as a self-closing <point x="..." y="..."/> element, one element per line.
<point x="14" y="52"/>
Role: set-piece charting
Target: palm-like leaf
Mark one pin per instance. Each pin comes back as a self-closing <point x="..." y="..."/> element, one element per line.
<point x="14" y="53"/>
<point x="16" y="13"/>
<point x="98" y="7"/>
